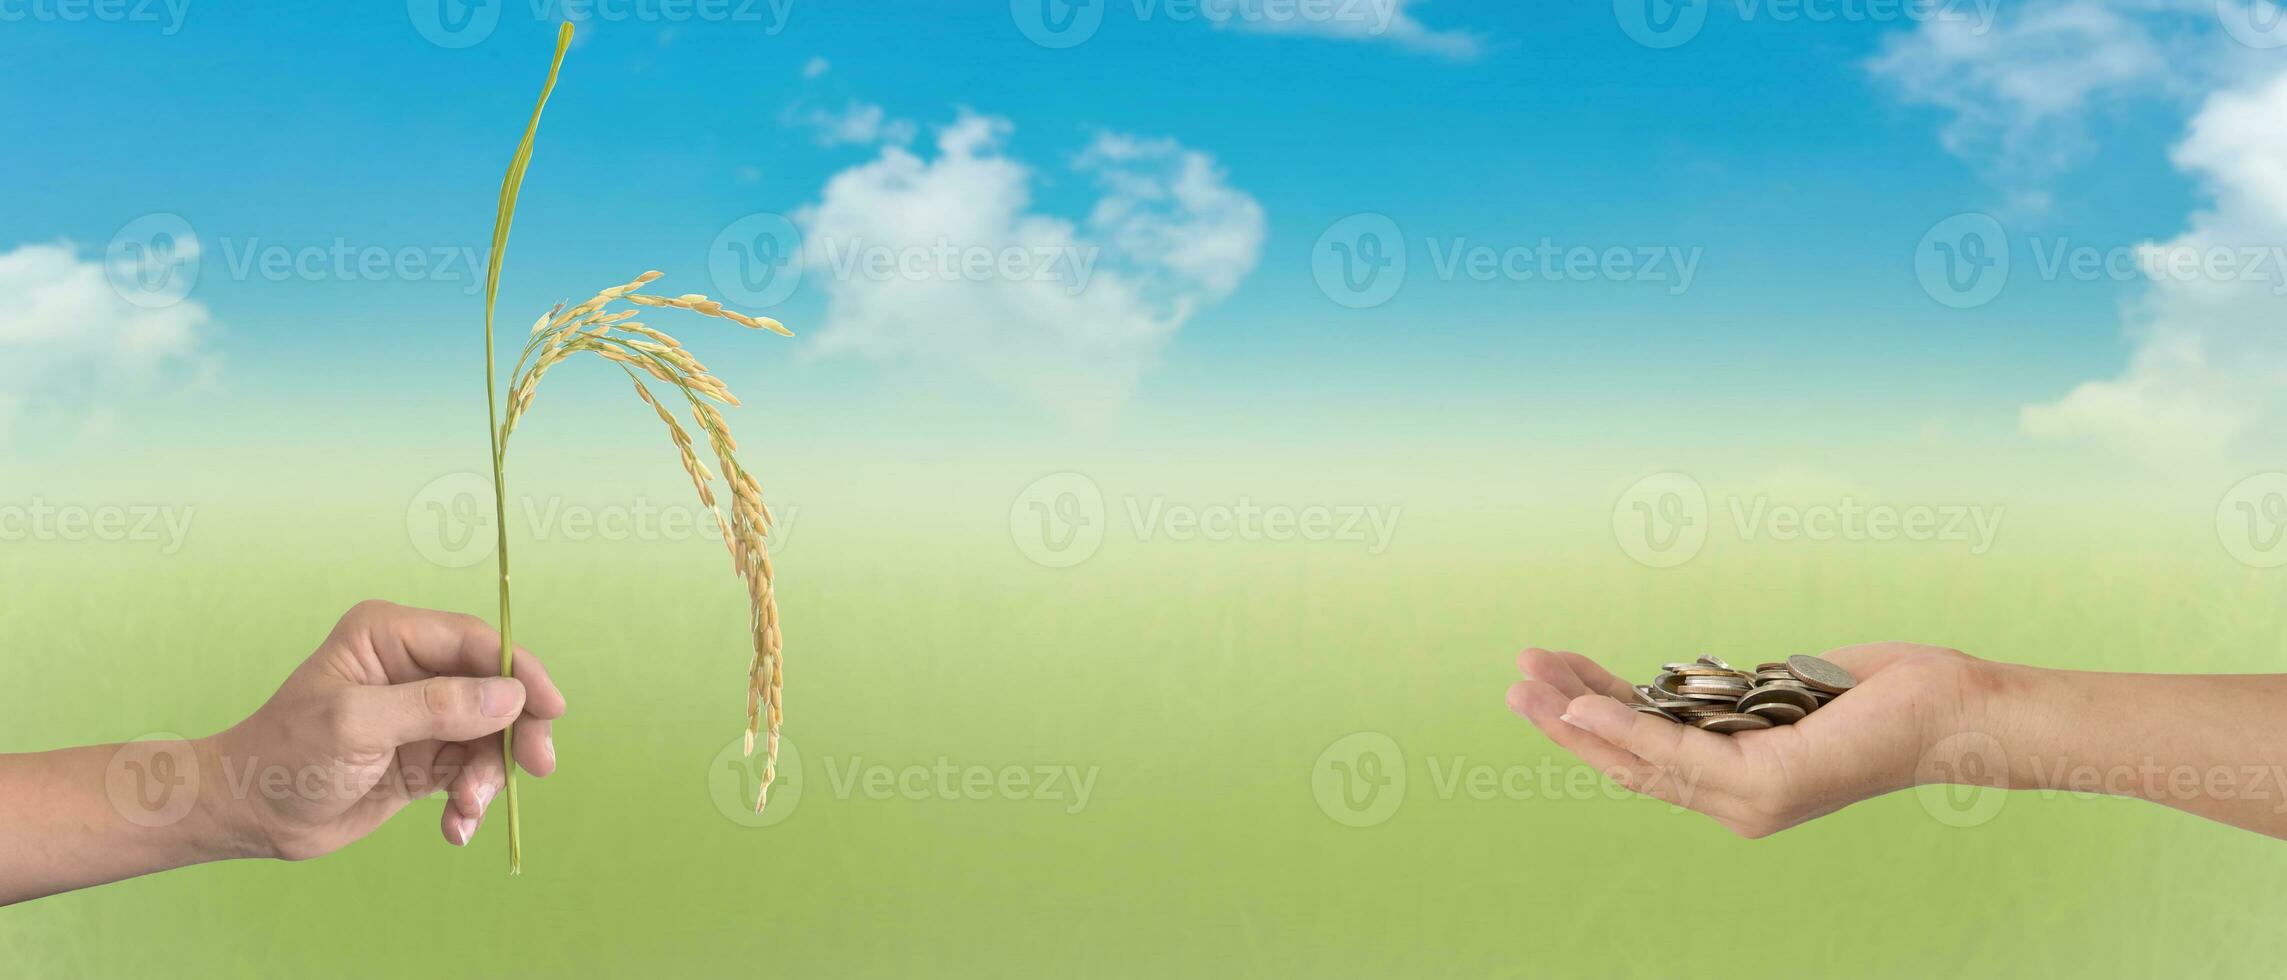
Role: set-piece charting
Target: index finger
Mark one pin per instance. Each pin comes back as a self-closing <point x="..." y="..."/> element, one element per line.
<point x="430" y="642"/>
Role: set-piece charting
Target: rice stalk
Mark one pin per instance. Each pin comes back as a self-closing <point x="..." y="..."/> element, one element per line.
<point x="641" y="351"/>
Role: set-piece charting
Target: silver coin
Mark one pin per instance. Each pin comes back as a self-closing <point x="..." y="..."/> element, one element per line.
<point x="1714" y="661"/>
<point x="1801" y="701"/>
<point x="1820" y="674"/>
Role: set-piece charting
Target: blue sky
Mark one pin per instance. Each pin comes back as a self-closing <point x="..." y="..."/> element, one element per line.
<point x="1799" y="171"/>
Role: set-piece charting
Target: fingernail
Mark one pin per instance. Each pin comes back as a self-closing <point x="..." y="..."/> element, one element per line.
<point x="548" y="746"/>
<point x="484" y="797"/>
<point x="1570" y="720"/>
<point x="500" y="697"/>
<point x="460" y="832"/>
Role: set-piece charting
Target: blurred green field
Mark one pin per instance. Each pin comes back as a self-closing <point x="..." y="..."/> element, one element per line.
<point x="1199" y="682"/>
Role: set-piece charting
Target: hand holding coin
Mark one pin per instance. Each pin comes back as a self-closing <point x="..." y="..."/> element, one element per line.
<point x="1761" y="750"/>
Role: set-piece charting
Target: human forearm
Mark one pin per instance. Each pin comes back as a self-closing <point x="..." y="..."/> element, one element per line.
<point x="85" y="816"/>
<point x="2214" y="745"/>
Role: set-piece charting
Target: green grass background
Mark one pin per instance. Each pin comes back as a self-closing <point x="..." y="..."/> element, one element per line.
<point x="1201" y="680"/>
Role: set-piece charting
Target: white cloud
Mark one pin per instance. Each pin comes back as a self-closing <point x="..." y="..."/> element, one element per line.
<point x="856" y="124"/>
<point x="2210" y="368"/>
<point x="815" y="67"/>
<point x="1355" y="20"/>
<point x="2204" y="380"/>
<point x="2021" y="87"/>
<point x="69" y="343"/>
<point x="1092" y="306"/>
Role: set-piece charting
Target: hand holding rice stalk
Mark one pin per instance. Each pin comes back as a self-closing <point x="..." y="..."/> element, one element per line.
<point x="641" y="351"/>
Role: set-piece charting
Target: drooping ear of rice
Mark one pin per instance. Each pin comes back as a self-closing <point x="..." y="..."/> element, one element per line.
<point x="646" y="352"/>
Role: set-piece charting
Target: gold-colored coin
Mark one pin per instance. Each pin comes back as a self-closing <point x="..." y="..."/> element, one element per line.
<point x="1775" y="712"/>
<point x="1732" y="723"/>
<point x="1650" y="710"/>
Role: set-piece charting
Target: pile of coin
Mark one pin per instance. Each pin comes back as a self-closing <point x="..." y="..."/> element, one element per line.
<point x="1723" y="699"/>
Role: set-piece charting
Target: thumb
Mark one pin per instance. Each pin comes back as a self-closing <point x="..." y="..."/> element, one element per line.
<point x="447" y="709"/>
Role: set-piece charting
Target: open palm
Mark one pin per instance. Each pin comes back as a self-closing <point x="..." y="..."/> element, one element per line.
<point x="1867" y="742"/>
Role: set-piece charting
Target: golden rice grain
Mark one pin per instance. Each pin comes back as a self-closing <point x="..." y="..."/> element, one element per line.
<point x="636" y="347"/>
